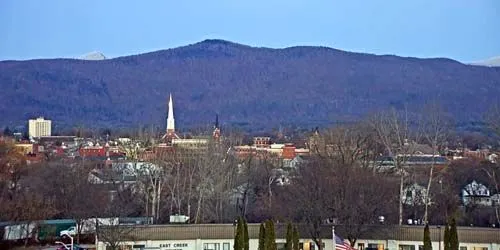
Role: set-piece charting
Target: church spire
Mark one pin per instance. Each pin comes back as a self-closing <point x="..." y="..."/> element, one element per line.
<point x="216" y="133"/>
<point x="170" y="118"/>
<point x="216" y="125"/>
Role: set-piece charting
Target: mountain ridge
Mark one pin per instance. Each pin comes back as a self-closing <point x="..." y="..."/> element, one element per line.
<point x="251" y="87"/>
<point x="230" y="43"/>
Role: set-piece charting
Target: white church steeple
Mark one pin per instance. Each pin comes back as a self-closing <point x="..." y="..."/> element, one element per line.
<point x="170" y="118"/>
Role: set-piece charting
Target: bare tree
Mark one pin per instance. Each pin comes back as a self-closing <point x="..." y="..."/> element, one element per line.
<point x="30" y="207"/>
<point x="224" y="179"/>
<point x="19" y="199"/>
<point x="356" y="198"/>
<point x="350" y="144"/>
<point x="180" y="172"/>
<point x="325" y="188"/>
<point x="112" y="233"/>
<point x="493" y="173"/>
<point x="13" y="167"/>
<point x="215" y="178"/>
<point x="395" y="134"/>
<point x="68" y="185"/>
<point x="244" y="184"/>
<point x="150" y="179"/>
<point x="307" y="199"/>
<point x="436" y="126"/>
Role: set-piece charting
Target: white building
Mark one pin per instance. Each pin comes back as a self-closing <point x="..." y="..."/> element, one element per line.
<point x="476" y="193"/>
<point x="39" y="127"/>
<point x="415" y="195"/>
<point x="221" y="237"/>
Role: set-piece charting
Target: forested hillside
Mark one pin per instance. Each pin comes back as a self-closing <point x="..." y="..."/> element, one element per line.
<point x="247" y="86"/>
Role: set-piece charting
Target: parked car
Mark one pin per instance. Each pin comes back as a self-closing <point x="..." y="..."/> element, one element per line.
<point x="70" y="231"/>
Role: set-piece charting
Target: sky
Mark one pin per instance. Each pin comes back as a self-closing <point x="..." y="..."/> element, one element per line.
<point x="464" y="30"/>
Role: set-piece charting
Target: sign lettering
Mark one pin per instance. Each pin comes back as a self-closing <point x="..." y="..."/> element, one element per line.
<point x="174" y="246"/>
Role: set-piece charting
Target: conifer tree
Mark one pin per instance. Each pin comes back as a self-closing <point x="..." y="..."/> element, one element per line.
<point x="427" y="238"/>
<point x="289" y="237"/>
<point x="262" y="237"/>
<point x="296" y="239"/>
<point x="454" y="244"/>
<point x="270" y="242"/>
<point x="246" y="239"/>
<point x="238" y="238"/>
<point x="447" y="237"/>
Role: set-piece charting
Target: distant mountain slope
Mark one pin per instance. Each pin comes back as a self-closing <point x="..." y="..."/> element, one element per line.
<point x="94" y="56"/>
<point x="258" y="87"/>
<point x="491" y="62"/>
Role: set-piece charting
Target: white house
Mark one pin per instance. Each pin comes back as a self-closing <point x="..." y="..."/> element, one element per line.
<point x="414" y="195"/>
<point x="476" y="193"/>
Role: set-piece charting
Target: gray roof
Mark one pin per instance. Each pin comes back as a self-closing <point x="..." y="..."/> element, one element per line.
<point x="377" y="232"/>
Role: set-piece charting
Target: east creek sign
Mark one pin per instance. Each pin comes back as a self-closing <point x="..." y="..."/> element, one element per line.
<point x="174" y="246"/>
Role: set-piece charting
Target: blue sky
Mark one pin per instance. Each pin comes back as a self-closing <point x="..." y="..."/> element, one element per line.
<point x="466" y="30"/>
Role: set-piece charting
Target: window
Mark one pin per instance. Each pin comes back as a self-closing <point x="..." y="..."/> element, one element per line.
<point x="463" y="248"/>
<point x="406" y="247"/>
<point x="211" y="246"/>
<point x="280" y="246"/>
<point x="312" y="245"/>
<point x="225" y="246"/>
<point x="375" y="246"/>
<point x="138" y="247"/>
<point x="479" y="248"/>
<point x="124" y="247"/>
<point x="420" y="247"/>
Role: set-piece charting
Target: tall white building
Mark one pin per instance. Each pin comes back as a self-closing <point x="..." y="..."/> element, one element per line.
<point x="39" y="127"/>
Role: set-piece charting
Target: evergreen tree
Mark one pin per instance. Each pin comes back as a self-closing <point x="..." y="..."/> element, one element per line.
<point x="246" y="239"/>
<point x="270" y="242"/>
<point x="238" y="238"/>
<point x="262" y="237"/>
<point x="446" y="237"/>
<point x="296" y="239"/>
<point x="427" y="238"/>
<point x="454" y="244"/>
<point x="289" y="237"/>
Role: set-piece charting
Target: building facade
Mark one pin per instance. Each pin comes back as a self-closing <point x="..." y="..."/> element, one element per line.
<point x="39" y="127"/>
<point x="220" y="237"/>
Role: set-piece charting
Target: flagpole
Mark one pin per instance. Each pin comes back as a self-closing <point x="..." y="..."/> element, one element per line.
<point x="334" y="243"/>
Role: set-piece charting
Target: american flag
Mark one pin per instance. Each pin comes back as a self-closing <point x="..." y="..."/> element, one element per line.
<point x="340" y="244"/>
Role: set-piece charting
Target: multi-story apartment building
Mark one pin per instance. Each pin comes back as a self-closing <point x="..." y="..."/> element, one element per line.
<point x="39" y="127"/>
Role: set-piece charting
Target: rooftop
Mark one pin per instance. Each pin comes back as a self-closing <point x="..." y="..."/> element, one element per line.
<point x="226" y="231"/>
